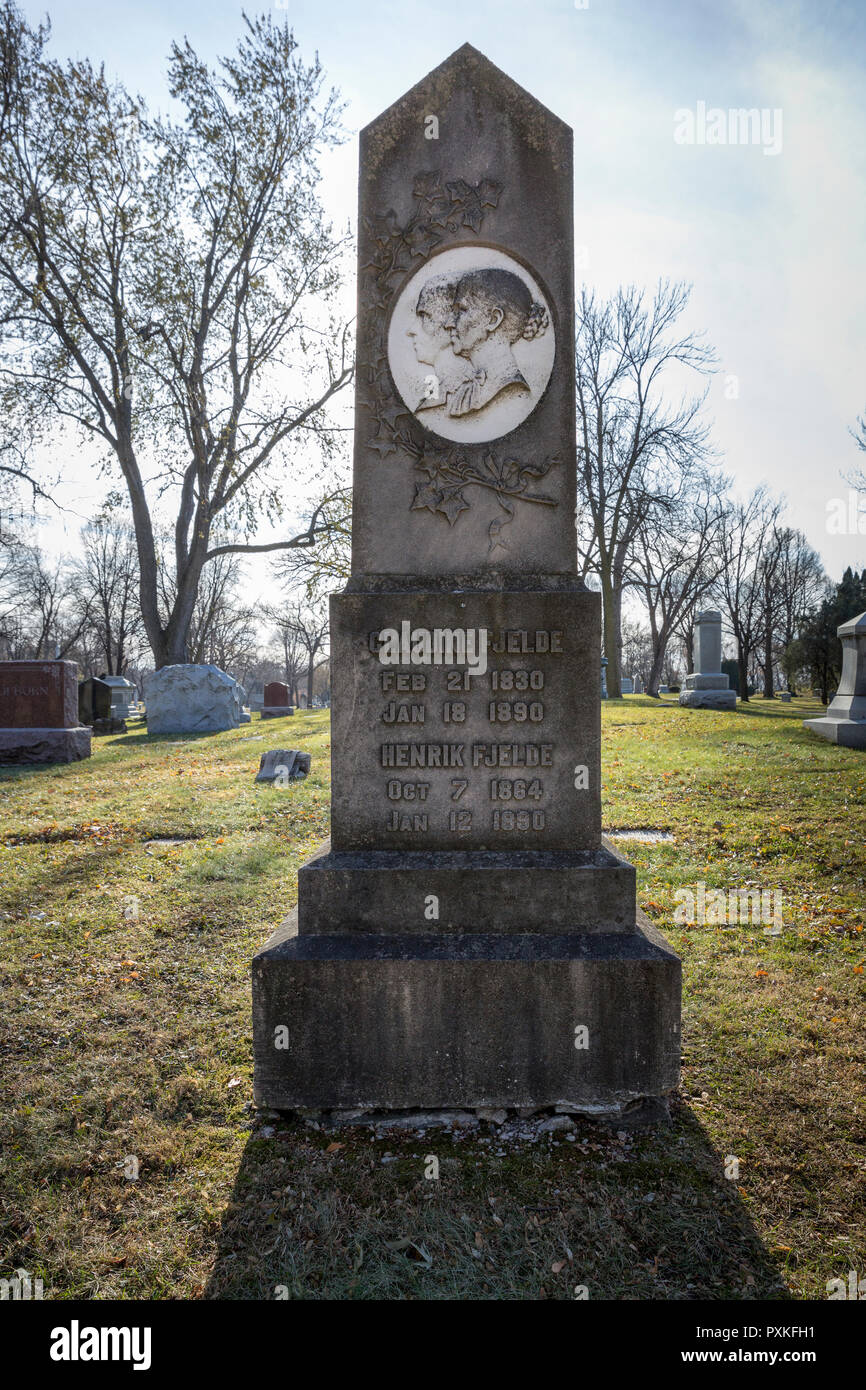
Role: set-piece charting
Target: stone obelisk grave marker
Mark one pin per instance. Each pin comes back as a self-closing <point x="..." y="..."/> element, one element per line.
<point x="466" y="939"/>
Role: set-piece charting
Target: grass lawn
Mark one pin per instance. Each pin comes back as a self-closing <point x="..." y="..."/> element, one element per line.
<point x="126" y="1042"/>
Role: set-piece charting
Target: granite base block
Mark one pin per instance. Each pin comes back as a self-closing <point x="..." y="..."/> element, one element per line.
<point x="532" y="891"/>
<point x="463" y="1021"/>
<point x="277" y="711"/>
<point x="709" y="699"/>
<point x="707" y="680"/>
<point x="20" y="747"/>
<point x="848" y="733"/>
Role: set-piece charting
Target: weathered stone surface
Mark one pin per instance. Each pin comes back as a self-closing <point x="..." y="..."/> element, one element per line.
<point x="192" y="699"/>
<point x="277" y="695"/>
<point x="626" y="685"/>
<point x="845" y="720"/>
<point x="489" y="194"/>
<point x="39" y="714"/>
<point x="408" y="1022"/>
<point x="469" y="918"/>
<point x="467" y="890"/>
<point x="38" y="695"/>
<point x="283" y="765"/>
<point x="709" y="699"/>
<point x="102" y="727"/>
<point x="785" y="696"/>
<point x="707" y="644"/>
<point x="18" y="747"/>
<point x="708" y="686"/>
<point x="412" y="742"/>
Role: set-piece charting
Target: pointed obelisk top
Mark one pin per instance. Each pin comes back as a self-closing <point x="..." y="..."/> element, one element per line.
<point x="464" y="427"/>
<point x="466" y="66"/>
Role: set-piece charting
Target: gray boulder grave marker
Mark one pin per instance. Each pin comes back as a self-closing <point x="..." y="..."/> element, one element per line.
<point x="708" y="686"/>
<point x="39" y="720"/>
<point x="192" y="698"/>
<point x="466" y="940"/>
<point x="845" y="720"/>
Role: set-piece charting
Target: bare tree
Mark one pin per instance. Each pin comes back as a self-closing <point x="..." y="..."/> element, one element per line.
<point x="632" y="445"/>
<point x="291" y="648"/>
<point x="676" y="558"/>
<point x="747" y="537"/>
<point x="164" y="286"/>
<point x="321" y="568"/>
<point x="791" y="579"/>
<point x="310" y="625"/>
<point x="637" y="648"/>
<point x="108" y="588"/>
<point x="53" y="614"/>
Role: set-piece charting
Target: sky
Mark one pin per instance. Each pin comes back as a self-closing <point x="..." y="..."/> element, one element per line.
<point x="770" y="232"/>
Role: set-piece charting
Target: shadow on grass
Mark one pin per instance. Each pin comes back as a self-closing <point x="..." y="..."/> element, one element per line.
<point x="649" y="1216"/>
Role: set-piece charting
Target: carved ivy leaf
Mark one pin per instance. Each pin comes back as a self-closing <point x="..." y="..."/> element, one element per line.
<point x="422" y="239"/>
<point x="382" y="445"/>
<point x="438" y="212"/>
<point x="428" y="185"/>
<point x="488" y="193"/>
<point x="383" y="229"/>
<point x="430" y="465"/>
<point x="426" y="497"/>
<point x="453" y="504"/>
<point x="389" y="416"/>
<point x="460" y="190"/>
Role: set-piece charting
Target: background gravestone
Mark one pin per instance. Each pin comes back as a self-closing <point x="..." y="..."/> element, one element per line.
<point x="94" y="700"/>
<point x="466" y="918"/>
<point x="708" y="686"/>
<point x="122" y="695"/>
<point x="192" y="699"/>
<point x="845" y="719"/>
<point x="39" y="713"/>
<point x="277" y="701"/>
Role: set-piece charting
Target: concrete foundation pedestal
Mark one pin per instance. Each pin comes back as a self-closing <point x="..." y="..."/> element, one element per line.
<point x="465" y="1020"/>
<point x="20" y="747"/>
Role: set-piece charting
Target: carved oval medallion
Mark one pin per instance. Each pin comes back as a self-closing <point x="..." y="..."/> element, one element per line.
<point x="471" y="344"/>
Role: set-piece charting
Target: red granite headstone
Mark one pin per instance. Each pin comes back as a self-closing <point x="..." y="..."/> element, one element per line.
<point x="38" y="695"/>
<point x="276" y="693"/>
<point x="39" y="713"/>
<point x="277" y="700"/>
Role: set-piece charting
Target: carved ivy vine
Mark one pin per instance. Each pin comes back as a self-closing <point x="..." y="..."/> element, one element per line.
<point x="440" y="212"/>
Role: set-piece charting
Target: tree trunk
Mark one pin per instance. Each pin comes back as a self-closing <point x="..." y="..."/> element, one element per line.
<point x="655" y="675"/>
<point x="743" y="668"/>
<point x="769" y="693"/>
<point x="611" y="633"/>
